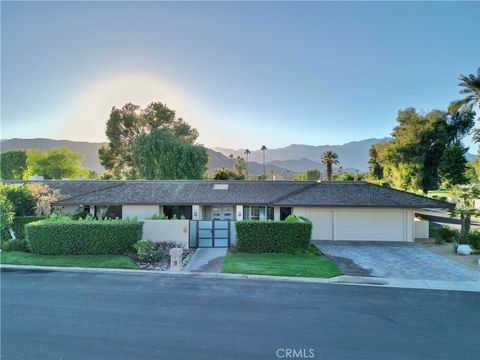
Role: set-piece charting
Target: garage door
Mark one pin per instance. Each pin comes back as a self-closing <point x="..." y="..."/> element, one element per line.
<point x="322" y="221"/>
<point x="373" y="225"/>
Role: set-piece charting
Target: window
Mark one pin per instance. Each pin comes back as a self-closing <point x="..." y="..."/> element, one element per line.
<point x="178" y="211"/>
<point x="284" y="212"/>
<point x="111" y="212"/>
<point x="257" y="213"/>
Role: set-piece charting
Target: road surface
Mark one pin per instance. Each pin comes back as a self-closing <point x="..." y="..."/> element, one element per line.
<point x="443" y="218"/>
<point x="63" y="315"/>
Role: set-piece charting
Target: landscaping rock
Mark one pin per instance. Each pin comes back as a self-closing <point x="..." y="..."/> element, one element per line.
<point x="464" y="250"/>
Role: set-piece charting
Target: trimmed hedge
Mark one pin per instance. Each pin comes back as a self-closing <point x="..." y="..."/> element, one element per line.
<point x="83" y="237"/>
<point x="273" y="236"/>
<point x="19" y="223"/>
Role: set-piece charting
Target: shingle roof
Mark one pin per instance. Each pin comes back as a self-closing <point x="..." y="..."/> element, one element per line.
<point x="358" y="194"/>
<point x="280" y="193"/>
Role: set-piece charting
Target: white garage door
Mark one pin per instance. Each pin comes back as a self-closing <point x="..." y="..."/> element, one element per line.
<point x="373" y="225"/>
<point x="322" y="221"/>
<point x="360" y="224"/>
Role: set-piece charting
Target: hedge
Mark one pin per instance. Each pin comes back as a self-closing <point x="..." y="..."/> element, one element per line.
<point x="19" y="223"/>
<point x="83" y="237"/>
<point x="273" y="236"/>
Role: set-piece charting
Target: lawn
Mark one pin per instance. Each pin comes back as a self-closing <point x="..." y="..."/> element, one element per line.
<point x="281" y="265"/>
<point x="94" y="261"/>
<point x="440" y="193"/>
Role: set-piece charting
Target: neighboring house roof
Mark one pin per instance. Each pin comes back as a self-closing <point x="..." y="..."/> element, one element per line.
<point x="205" y="192"/>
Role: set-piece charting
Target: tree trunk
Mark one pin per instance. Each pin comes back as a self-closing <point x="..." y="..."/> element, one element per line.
<point x="329" y="172"/>
<point x="466" y="231"/>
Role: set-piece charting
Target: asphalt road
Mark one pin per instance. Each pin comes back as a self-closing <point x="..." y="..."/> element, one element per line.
<point x="443" y="218"/>
<point x="61" y="315"/>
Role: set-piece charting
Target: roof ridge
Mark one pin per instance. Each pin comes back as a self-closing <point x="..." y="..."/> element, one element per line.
<point x="295" y="192"/>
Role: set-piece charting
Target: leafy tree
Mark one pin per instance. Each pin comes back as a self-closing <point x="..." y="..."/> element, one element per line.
<point x="351" y="176"/>
<point x="56" y="163"/>
<point x="161" y="155"/>
<point x="309" y="174"/>
<point x="129" y="122"/>
<point x="44" y="197"/>
<point x="6" y="214"/>
<point x="329" y="158"/>
<point x="465" y="207"/>
<point x="240" y="167"/>
<point x="13" y="164"/>
<point x="453" y="166"/>
<point x="264" y="149"/>
<point x="226" y="174"/>
<point x="375" y="169"/>
<point x="21" y="199"/>
<point x="411" y="160"/>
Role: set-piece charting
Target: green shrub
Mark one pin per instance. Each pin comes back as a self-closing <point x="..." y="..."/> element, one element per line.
<point x="447" y="234"/>
<point x="22" y="200"/>
<point x="19" y="245"/>
<point x="145" y="249"/>
<point x="273" y="236"/>
<point x="5" y="245"/>
<point x="19" y="223"/>
<point x="291" y="218"/>
<point x="83" y="237"/>
<point x="473" y="239"/>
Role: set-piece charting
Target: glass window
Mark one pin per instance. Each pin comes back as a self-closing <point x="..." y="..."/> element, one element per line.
<point x="257" y="213"/>
<point x="284" y="212"/>
<point x="178" y="211"/>
<point x="111" y="212"/>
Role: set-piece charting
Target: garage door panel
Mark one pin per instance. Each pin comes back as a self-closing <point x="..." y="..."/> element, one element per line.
<point x="369" y="225"/>
<point x="322" y="221"/>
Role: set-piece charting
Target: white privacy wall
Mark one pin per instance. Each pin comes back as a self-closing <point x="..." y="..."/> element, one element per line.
<point x="140" y="211"/>
<point x="166" y="230"/>
<point x="422" y="229"/>
<point x="359" y="224"/>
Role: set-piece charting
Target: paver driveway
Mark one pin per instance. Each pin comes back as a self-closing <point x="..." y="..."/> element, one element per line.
<point x="394" y="260"/>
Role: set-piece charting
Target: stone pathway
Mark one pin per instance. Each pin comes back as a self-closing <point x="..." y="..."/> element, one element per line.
<point x="207" y="260"/>
<point x="396" y="260"/>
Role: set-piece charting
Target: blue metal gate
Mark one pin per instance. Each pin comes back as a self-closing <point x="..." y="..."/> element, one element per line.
<point x="212" y="233"/>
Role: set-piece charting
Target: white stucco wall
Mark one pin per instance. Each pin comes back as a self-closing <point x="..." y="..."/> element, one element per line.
<point x="140" y="211"/>
<point x="166" y="230"/>
<point x="421" y="229"/>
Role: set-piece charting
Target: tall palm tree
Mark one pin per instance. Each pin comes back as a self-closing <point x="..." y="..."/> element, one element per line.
<point x="264" y="148"/>
<point x="231" y="158"/>
<point x="329" y="158"/>
<point x="471" y="89"/>
<point x="247" y="152"/>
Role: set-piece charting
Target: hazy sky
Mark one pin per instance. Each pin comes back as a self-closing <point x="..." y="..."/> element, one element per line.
<point x="243" y="74"/>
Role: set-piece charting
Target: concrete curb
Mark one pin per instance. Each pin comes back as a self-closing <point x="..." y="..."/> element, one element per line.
<point x="338" y="280"/>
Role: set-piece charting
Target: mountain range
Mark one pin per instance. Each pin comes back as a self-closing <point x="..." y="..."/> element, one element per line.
<point x="285" y="161"/>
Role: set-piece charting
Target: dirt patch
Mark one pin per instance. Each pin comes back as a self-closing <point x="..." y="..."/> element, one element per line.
<point x="349" y="267"/>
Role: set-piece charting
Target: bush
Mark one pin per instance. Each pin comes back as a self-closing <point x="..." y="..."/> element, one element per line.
<point x="19" y="245"/>
<point x="473" y="239"/>
<point x="447" y="234"/>
<point x="5" y="245"/>
<point x="291" y="218"/>
<point x="145" y="249"/>
<point x="273" y="236"/>
<point x="19" y="223"/>
<point x="83" y="237"/>
<point x="21" y="198"/>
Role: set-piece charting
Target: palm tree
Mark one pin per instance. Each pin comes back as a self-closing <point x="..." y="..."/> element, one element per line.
<point x="247" y="152"/>
<point x="231" y="158"/>
<point x="471" y="89"/>
<point x="329" y="158"/>
<point x="264" y="148"/>
<point x="465" y="207"/>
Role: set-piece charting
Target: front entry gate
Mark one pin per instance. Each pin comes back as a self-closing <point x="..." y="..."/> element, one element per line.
<point x="210" y="233"/>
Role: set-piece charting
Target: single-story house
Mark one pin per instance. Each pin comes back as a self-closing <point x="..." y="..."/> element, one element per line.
<point x="339" y="210"/>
